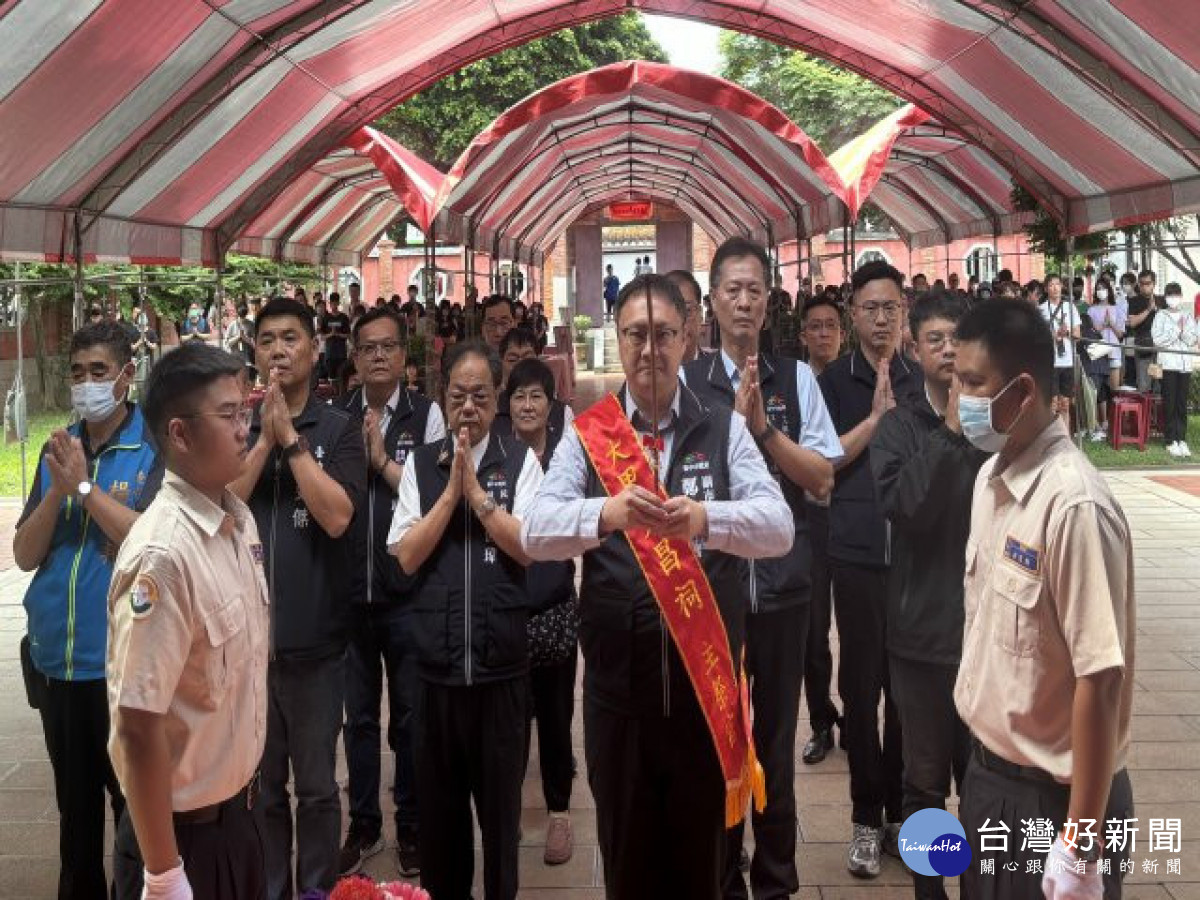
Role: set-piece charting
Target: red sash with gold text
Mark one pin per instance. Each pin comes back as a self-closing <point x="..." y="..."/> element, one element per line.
<point x="680" y="587"/>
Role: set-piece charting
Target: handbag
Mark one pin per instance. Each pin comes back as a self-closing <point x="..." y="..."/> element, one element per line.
<point x="554" y="634"/>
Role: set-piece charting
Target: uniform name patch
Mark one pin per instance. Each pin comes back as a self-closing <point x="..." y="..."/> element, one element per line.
<point x="256" y="550"/>
<point x="1028" y="558"/>
<point x="142" y="597"/>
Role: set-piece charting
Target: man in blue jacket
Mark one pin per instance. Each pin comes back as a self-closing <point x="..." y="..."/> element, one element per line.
<point x="93" y="480"/>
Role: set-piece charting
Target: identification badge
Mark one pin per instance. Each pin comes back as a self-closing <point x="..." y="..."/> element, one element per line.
<point x="256" y="550"/>
<point x="1026" y="557"/>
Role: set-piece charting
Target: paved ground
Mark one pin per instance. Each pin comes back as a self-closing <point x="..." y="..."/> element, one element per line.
<point x="1164" y="512"/>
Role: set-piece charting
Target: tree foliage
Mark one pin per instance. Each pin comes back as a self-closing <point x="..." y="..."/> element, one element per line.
<point x="1046" y="237"/>
<point x="438" y="123"/>
<point x="831" y="104"/>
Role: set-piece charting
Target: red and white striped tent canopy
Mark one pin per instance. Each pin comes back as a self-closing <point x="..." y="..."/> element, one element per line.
<point x="144" y="130"/>
<point x="934" y="186"/>
<point x="633" y="130"/>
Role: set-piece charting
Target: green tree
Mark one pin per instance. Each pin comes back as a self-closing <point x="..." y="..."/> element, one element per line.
<point x="438" y="123"/>
<point x="831" y="104"/>
<point x="1046" y="237"/>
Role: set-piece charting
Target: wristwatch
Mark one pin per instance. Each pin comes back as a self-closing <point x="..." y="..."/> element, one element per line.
<point x="299" y="445"/>
<point x="486" y="508"/>
<point x="1091" y="854"/>
<point x="83" y="489"/>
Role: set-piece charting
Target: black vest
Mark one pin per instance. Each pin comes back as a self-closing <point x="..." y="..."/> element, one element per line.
<point x="375" y="575"/>
<point x="632" y="666"/>
<point x="305" y="567"/>
<point x="471" y="608"/>
<point x="549" y="583"/>
<point x="784" y="581"/>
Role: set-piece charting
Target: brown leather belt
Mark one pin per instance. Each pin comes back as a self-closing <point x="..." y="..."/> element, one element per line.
<point x="246" y="797"/>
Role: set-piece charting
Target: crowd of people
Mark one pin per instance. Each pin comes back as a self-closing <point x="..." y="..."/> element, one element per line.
<point x="223" y="588"/>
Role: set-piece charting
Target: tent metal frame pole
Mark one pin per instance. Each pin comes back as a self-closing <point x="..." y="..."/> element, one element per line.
<point x="78" y="312"/>
<point x="1076" y="392"/>
<point x="22" y="427"/>
<point x="845" y="249"/>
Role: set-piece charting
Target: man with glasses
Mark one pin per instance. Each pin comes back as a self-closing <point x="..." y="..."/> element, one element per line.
<point x="456" y="530"/>
<point x="822" y="333"/>
<point x="859" y="388"/>
<point x="187" y="652"/>
<point x="394" y="422"/>
<point x="690" y="288"/>
<point x="786" y="415"/>
<point x="658" y="766"/>
<point x="499" y="318"/>
<point x="925" y="472"/>
<point x="304" y="477"/>
<point x="1142" y="308"/>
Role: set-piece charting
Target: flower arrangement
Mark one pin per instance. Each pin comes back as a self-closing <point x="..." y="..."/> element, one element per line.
<point x="360" y="887"/>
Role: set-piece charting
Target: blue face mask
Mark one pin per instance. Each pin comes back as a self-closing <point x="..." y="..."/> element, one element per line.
<point x="975" y="417"/>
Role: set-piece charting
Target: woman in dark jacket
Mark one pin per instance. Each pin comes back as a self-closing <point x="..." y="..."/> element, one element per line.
<point x="553" y="633"/>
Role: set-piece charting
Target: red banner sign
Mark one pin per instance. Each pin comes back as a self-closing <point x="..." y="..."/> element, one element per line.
<point x="630" y="210"/>
<point x="679" y="585"/>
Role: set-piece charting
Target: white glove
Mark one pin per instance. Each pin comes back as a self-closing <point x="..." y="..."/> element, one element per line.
<point x="1070" y="884"/>
<point x="170" y="885"/>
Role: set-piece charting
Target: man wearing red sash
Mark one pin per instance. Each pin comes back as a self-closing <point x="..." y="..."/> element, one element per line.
<point x="662" y="603"/>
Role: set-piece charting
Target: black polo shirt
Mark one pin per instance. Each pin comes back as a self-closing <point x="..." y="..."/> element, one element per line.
<point x="857" y="528"/>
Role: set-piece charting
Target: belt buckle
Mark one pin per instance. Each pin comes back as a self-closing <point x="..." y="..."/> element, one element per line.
<point x="252" y="790"/>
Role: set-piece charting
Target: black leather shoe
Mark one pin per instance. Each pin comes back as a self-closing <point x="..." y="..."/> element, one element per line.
<point x="818" y="746"/>
<point x="744" y="861"/>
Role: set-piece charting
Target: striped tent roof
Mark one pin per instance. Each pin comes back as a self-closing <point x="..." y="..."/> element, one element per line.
<point x="161" y="131"/>
<point x="934" y="186"/>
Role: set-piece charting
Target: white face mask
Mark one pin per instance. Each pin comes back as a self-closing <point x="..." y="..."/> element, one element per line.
<point x="975" y="418"/>
<point x="1174" y="301"/>
<point x="94" y="401"/>
<point x="1101" y="294"/>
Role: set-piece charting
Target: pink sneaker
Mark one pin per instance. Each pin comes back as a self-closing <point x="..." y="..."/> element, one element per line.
<point x="560" y="844"/>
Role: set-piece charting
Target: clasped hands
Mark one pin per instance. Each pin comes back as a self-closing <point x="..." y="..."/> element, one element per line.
<point x="637" y="508"/>
<point x="463" y="483"/>
<point x="275" y="417"/>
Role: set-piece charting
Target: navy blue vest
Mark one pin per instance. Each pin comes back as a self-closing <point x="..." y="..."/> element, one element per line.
<point x="471" y="609"/>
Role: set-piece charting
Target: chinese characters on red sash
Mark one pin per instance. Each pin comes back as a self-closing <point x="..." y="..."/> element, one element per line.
<point x="679" y="585"/>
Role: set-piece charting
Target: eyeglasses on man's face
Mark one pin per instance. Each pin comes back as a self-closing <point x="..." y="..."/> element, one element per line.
<point x="636" y="337"/>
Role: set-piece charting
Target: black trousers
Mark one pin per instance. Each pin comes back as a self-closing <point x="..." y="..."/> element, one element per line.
<point x="75" y="725"/>
<point x="875" y="766"/>
<point x="552" y="692"/>
<point x="380" y="641"/>
<point x="818" y="658"/>
<point x="470" y="746"/>
<point x="660" y="802"/>
<point x="936" y="744"/>
<point x="1175" y="397"/>
<point x="1005" y="797"/>
<point x="223" y="858"/>
<point x="775" y="664"/>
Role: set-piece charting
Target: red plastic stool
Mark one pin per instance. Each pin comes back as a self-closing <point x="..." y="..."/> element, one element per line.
<point x="1119" y="409"/>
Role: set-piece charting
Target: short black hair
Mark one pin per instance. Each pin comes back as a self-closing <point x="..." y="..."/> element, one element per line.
<point x="822" y="299"/>
<point x="652" y="284"/>
<point x="103" y="334"/>
<point x="497" y="300"/>
<point x="875" y="270"/>
<point x="531" y="372"/>
<point x="1017" y="339"/>
<point x="517" y="337"/>
<point x="278" y="307"/>
<point x="735" y="248"/>
<point x="682" y="277"/>
<point x="175" y="380"/>
<point x="1051" y="276"/>
<point x="1172" y="287"/>
<point x="1004" y="275"/>
<point x="1147" y="273"/>
<point x="377" y="314"/>
<point x="940" y="305"/>
<point x="474" y="347"/>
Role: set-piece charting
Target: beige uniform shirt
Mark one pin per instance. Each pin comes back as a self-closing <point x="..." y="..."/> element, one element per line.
<point x="187" y="639"/>
<point x="1049" y="599"/>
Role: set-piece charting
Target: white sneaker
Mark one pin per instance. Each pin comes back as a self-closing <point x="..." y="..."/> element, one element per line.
<point x="1173" y="449"/>
<point x="1099" y="436"/>
<point x="1184" y="449"/>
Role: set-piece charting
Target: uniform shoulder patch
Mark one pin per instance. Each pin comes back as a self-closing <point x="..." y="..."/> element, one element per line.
<point x="143" y="596"/>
